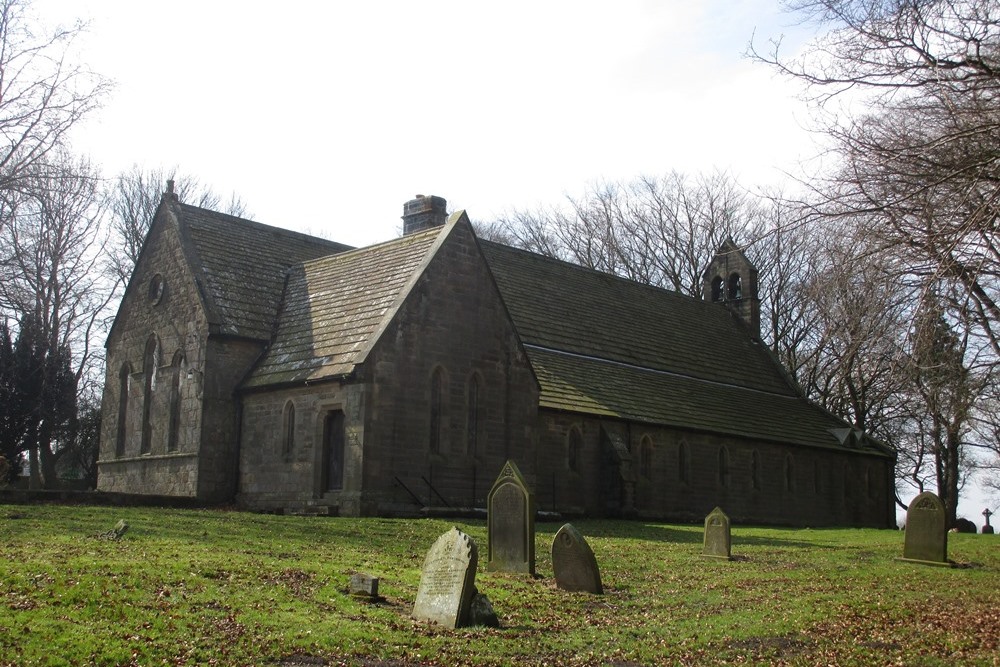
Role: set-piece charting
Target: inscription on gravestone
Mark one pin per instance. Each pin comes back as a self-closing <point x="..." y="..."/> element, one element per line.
<point x="447" y="581"/>
<point x="510" y="520"/>
<point x="574" y="563"/>
<point x="718" y="539"/>
<point x="926" y="540"/>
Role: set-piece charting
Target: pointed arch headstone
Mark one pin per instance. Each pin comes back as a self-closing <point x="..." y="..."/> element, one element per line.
<point x="510" y="509"/>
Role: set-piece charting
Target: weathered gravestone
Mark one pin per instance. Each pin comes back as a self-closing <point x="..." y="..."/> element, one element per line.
<point x="364" y="586"/>
<point x="574" y="563"/>
<point x="987" y="528"/>
<point x="447" y="582"/>
<point x="510" y="509"/>
<point x="718" y="539"/>
<point x="926" y="540"/>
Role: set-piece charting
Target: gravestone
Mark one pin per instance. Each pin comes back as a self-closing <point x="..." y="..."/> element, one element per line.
<point x="574" y="563"/>
<point x="364" y="586"/>
<point x="718" y="540"/>
<point x="987" y="528"/>
<point x="510" y="516"/>
<point x="926" y="540"/>
<point x="447" y="581"/>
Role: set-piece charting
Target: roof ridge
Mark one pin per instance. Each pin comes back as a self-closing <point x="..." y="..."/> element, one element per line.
<point x="353" y="252"/>
<point x="261" y="226"/>
<point x="587" y="269"/>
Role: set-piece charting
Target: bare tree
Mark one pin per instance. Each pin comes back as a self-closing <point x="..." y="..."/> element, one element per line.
<point x="50" y="282"/>
<point x="134" y="197"/>
<point x="906" y="92"/>
<point x="43" y="94"/>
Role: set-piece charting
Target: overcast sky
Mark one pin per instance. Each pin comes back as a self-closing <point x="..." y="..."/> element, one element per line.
<point x="326" y="116"/>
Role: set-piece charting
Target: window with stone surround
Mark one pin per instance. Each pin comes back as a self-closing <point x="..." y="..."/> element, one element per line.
<point x="789" y="473"/>
<point x="149" y="385"/>
<point x="723" y="467"/>
<point x="436" y="439"/>
<point x="646" y="457"/>
<point x="755" y="470"/>
<point x="288" y="430"/>
<point x="473" y="425"/>
<point x="121" y="434"/>
<point x="174" y="427"/>
<point x="574" y="448"/>
<point x="683" y="462"/>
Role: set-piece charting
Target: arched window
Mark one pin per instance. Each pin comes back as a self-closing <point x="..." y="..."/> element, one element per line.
<point x="173" y="431"/>
<point x="149" y="384"/>
<point x="682" y="462"/>
<point x="735" y="287"/>
<point x="646" y="457"/>
<point x="723" y="467"/>
<point x="789" y="473"/>
<point x="717" y="289"/>
<point x="437" y="411"/>
<point x="574" y="448"/>
<point x="755" y="470"/>
<point x="288" y="429"/>
<point x="123" y="380"/>
<point x="869" y="487"/>
<point x="817" y="477"/>
<point x="472" y="419"/>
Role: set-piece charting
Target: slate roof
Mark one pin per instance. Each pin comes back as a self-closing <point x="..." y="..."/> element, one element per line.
<point x="334" y="308"/>
<point x="608" y="346"/>
<point x="241" y="267"/>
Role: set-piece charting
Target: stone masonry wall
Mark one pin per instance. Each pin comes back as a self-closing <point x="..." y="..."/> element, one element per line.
<point x="174" y="315"/>
<point x="453" y="322"/>
<point x="818" y="487"/>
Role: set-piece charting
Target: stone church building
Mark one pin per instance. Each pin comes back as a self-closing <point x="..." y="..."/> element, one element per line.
<point x="256" y="365"/>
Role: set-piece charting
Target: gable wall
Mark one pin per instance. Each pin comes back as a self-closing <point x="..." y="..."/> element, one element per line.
<point x="179" y="323"/>
<point x="455" y="321"/>
<point x="828" y="487"/>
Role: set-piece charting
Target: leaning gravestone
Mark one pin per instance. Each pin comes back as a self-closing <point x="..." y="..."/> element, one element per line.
<point x="510" y="515"/>
<point x="574" y="563"/>
<point x="926" y="540"/>
<point x="718" y="540"/>
<point x="447" y="582"/>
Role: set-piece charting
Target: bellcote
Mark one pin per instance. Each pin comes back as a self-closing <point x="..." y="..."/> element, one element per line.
<point x="731" y="280"/>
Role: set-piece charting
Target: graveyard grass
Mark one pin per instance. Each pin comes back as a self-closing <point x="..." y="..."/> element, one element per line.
<point x="230" y="588"/>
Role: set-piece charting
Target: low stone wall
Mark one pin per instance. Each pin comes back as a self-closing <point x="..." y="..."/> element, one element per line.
<point x="15" y="496"/>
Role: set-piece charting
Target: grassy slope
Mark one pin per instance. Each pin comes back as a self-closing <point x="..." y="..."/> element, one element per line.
<point x="197" y="587"/>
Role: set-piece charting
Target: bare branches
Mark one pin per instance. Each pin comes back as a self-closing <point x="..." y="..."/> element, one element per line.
<point x="42" y="92"/>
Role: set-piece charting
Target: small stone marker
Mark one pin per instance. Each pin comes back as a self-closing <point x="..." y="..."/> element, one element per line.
<point x="987" y="528"/>
<point x="448" y="581"/>
<point x="510" y="517"/>
<point x="926" y="540"/>
<point x="574" y="563"/>
<point x="115" y="533"/>
<point x="718" y="539"/>
<point x="364" y="586"/>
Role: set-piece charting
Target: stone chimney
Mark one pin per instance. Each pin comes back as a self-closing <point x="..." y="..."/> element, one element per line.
<point x="423" y="213"/>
